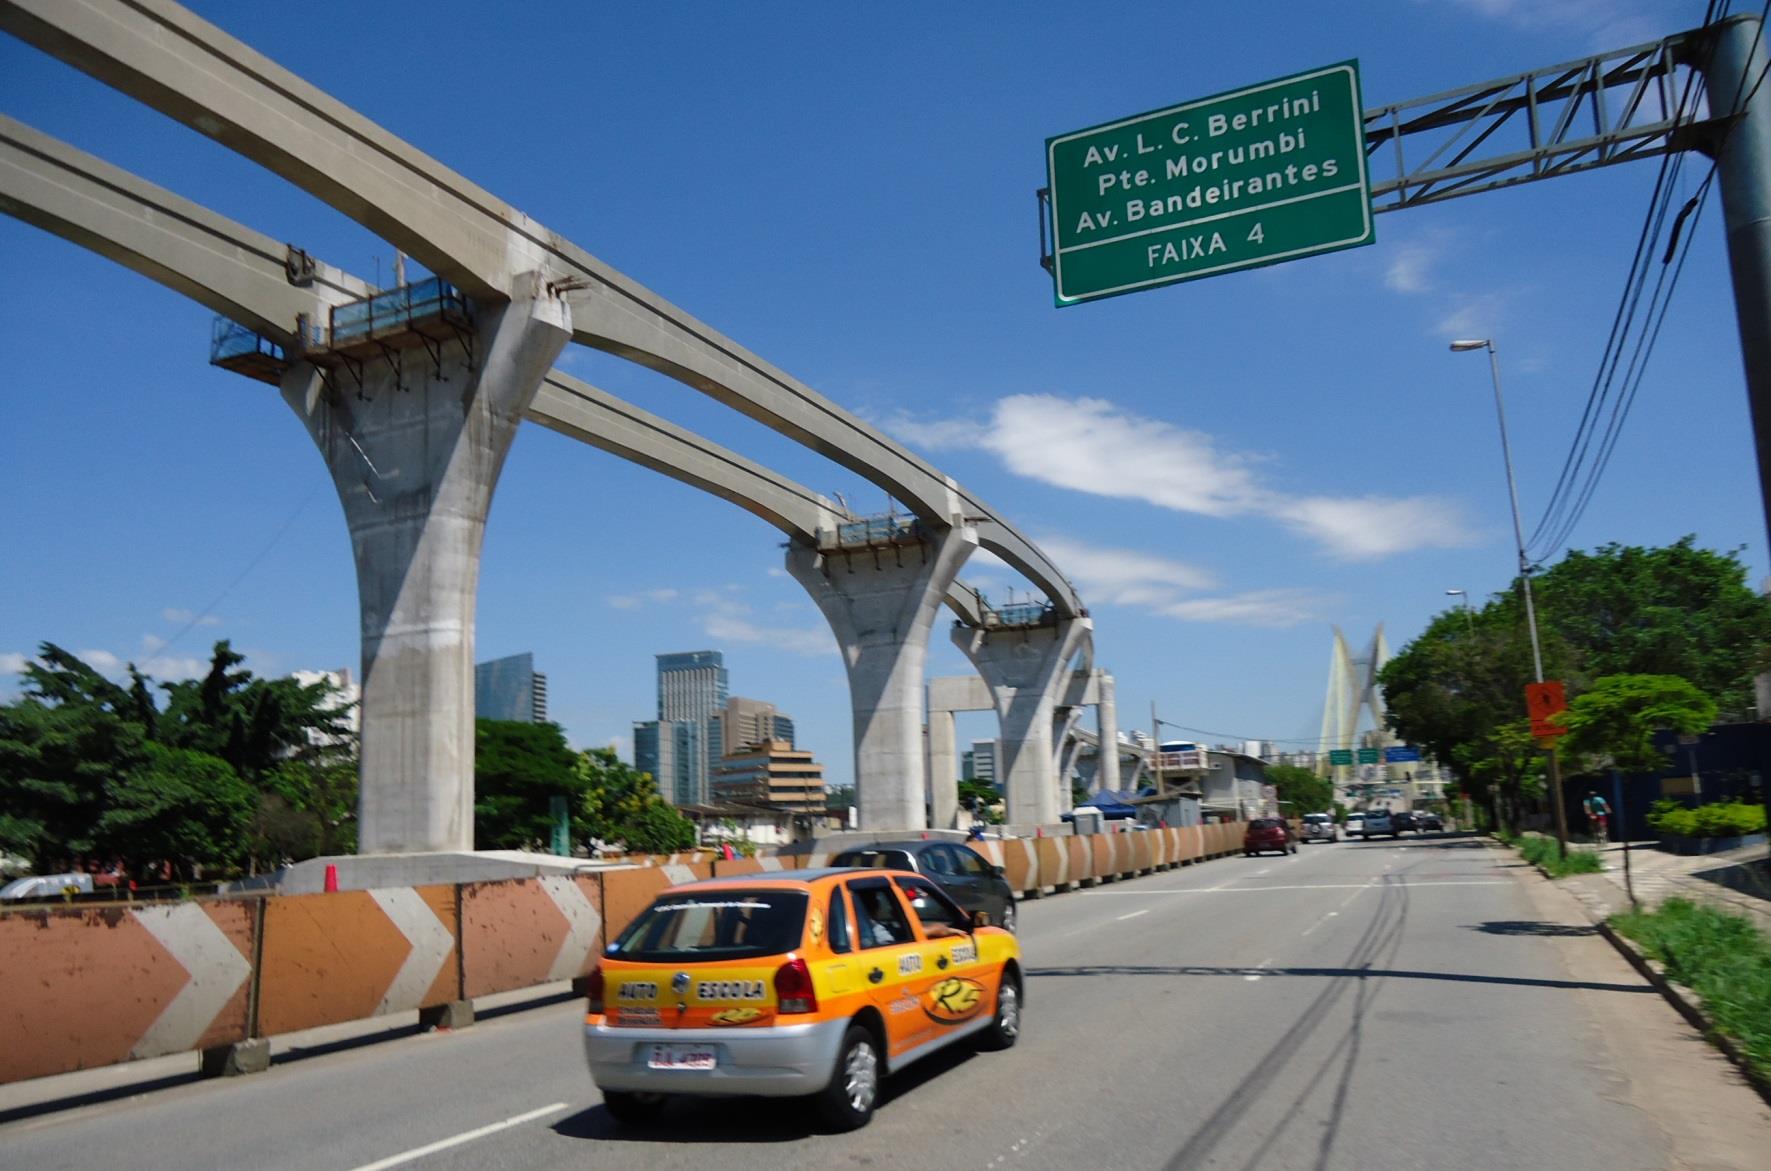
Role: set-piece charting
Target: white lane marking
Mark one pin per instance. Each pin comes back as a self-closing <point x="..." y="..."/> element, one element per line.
<point x="1268" y="870"/>
<point x="1133" y="915"/>
<point x="1256" y="974"/>
<point x="1321" y="921"/>
<point x="456" y="1140"/>
<point x="1258" y="890"/>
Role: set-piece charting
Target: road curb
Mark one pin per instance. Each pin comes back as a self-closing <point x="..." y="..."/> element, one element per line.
<point x="1684" y="1001"/>
<point x="1688" y="1005"/>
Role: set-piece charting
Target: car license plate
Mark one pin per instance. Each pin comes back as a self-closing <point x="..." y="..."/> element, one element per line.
<point x="680" y="1057"/>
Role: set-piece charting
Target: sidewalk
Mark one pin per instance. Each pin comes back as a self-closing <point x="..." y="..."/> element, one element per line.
<point x="1736" y="880"/>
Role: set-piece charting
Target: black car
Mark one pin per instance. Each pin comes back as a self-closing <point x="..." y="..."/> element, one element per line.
<point x="1429" y="823"/>
<point x="974" y="883"/>
<point x="1404" y="822"/>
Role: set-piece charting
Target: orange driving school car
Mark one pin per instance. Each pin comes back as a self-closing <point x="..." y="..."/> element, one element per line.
<point x="801" y="982"/>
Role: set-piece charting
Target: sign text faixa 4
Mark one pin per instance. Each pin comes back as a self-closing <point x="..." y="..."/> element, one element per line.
<point x="1252" y="177"/>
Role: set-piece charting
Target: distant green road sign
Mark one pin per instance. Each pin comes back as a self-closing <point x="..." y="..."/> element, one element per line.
<point x="1368" y="756"/>
<point x="1340" y="756"/>
<point x="1251" y="177"/>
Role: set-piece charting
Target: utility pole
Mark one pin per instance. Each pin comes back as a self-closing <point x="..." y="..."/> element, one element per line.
<point x="1740" y="143"/>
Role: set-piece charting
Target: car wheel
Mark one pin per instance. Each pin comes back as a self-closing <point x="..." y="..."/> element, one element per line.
<point x="847" y="1102"/>
<point x="1005" y="1028"/>
<point x="1008" y="916"/>
<point x="633" y="1106"/>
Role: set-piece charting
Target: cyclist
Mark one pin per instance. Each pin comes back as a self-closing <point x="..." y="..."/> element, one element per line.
<point x="1598" y="812"/>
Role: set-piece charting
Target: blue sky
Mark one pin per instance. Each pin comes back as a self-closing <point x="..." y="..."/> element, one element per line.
<point x="1226" y="467"/>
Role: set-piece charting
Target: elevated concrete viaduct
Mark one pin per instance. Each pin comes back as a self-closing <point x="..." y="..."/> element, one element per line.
<point x="168" y="58"/>
<point x="247" y="277"/>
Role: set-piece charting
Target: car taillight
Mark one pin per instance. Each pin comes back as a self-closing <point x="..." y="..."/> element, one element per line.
<point x="593" y="988"/>
<point x="793" y="988"/>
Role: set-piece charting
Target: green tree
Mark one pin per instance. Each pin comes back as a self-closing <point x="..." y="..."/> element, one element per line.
<point x="621" y="804"/>
<point x="185" y="809"/>
<point x="981" y="798"/>
<point x="1614" y="722"/>
<point x="1300" y="789"/>
<point x="1457" y="690"/>
<point x="1673" y="610"/>
<point x="518" y="769"/>
<point x="80" y="777"/>
<point x="60" y="745"/>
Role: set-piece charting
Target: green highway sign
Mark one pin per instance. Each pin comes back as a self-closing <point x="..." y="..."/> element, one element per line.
<point x="1340" y="756"/>
<point x="1255" y="176"/>
<point x="1368" y="756"/>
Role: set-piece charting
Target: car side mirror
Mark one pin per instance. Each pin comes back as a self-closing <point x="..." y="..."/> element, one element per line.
<point x="995" y="870"/>
<point x="980" y="918"/>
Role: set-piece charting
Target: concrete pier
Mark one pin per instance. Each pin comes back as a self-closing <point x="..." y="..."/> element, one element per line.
<point x="415" y="445"/>
<point x="1027" y="668"/>
<point x="880" y="602"/>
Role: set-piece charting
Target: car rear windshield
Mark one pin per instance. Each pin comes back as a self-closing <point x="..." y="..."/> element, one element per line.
<point x="717" y="925"/>
<point x="874" y="859"/>
<point x="1265" y="823"/>
<point x="1318" y="817"/>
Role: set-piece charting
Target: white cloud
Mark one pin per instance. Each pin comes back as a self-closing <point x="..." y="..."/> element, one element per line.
<point x="1369" y="527"/>
<point x="645" y="597"/>
<point x="1409" y="265"/>
<point x="1090" y="445"/>
<point x="1128" y="577"/>
<point x="1474" y="316"/>
<point x="13" y="663"/>
<point x="934" y="434"/>
<point x="735" y="624"/>
<point x="181" y="617"/>
<point x="1612" y="24"/>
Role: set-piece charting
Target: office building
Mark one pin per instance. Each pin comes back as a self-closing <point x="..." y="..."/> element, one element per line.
<point x="682" y="745"/>
<point x="752" y="721"/>
<point x="671" y="750"/>
<point x="770" y="773"/>
<point x="981" y="761"/>
<point x="510" y="689"/>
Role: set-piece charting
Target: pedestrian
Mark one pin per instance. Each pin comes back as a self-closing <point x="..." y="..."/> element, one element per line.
<point x="1598" y="810"/>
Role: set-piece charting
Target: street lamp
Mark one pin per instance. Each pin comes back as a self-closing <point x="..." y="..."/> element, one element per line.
<point x="1506" y="454"/>
<point x="1469" y="620"/>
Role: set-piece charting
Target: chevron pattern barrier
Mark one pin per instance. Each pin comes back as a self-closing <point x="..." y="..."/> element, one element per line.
<point x="91" y="986"/>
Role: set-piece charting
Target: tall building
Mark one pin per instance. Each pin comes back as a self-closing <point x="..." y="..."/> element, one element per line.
<point x="983" y="761"/>
<point x="685" y="741"/>
<point x="671" y="750"/>
<point x="752" y="721"/>
<point x="770" y="773"/>
<point x="346" y="695"/>
<point x="510" y="689"/>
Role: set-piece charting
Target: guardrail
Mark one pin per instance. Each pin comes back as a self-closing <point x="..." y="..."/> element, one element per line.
<point x="95" y="985"/>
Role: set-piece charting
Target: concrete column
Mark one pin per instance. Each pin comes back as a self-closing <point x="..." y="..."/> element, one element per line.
<point x="1026" y="668"/>
<point x="415" y="453"/>
<point x="943" y="771"/>
<point x="1064" y="751"/>
<point x="881" y="604"/>
<point x="1107" y="729"/>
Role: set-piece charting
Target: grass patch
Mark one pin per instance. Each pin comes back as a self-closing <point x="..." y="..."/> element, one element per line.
<point x="1543" y="851"/>
<point x="1721" y="957"/>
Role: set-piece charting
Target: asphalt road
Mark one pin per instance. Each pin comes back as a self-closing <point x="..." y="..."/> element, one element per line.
<point x="1360" y="1005"/>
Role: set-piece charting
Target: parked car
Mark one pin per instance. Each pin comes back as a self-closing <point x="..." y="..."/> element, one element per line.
<point x="1268" y="833"/>
<point x="43" y="886"/>
<point x="974" y="883"/>
<point x="1354" y="826"/>
<point x="1378" y="823"/>
<point x="1320" y="827"/>
<point x="814" y="983"/>
<point x="1429" y="823"/>
<point x="1404" y="822"/>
